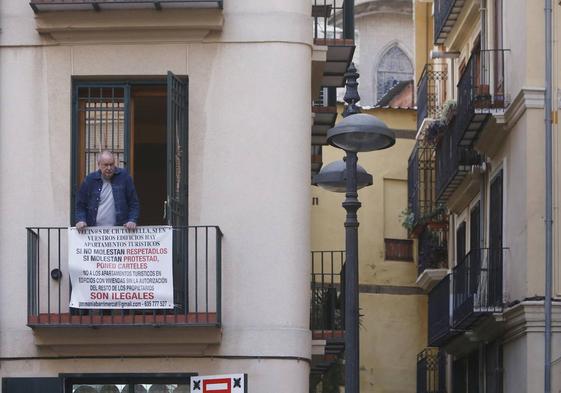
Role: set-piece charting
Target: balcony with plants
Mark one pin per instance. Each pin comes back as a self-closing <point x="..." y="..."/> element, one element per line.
<point x="431" y="90"/>
<point x="327" y="321"/>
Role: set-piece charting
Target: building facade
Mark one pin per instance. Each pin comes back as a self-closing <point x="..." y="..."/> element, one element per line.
<point x="202" y="101"/>
<point x="477" y="195"/>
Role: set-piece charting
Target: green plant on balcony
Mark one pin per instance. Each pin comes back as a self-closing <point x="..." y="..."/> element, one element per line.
<point x="434" y="130"/>
<point x="331" y="381"/>
<point x="436" y="214"/>
<point x="408" y="220"/>
<point x="448" y="111"/>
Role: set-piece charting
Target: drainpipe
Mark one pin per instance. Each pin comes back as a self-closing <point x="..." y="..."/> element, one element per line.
<point x="483" y="21"/>
<point x="548" y="195"/>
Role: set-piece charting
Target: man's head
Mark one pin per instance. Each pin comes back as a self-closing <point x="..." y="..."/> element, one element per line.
<point x="106" y="164"/>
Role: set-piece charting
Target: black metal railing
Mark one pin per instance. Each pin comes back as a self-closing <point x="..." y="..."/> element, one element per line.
<point x="413" y="181"/>
<point x="447" y="158"/>
<point x="431" y="371"/>
<point x="421" y="181"/>
<point x="481" y="90"/>
<point x="327" y="285"/>
<point x="443" y="11"/>
<point x="433" y="248"/>
<point x="453" y="160"/>
<point x="196" y="283"/>
<point x="477" y="285"/>
<point x="439" y="312"/>
<point x="431" y="92"/>
<point x="333" y="20"/>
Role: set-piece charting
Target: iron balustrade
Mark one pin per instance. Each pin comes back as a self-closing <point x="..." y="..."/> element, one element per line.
<point x="453" y="161"/>
<point x="430" y="92"/>
<point x="433" y="248"/>
<point x="481" y="90"/>
<point x="439" y="312"/>
<point x="413" y="181"/>
<point x="327" y="285"/>
<point x="196" y="275"/>
<point x="431" y="371"/>
<point x="333" y="20"/>
<point x="421" y="182"/>
<point x="477" y="286"/>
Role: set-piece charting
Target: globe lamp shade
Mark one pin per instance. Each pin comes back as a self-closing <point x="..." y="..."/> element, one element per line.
<point x="333" y="177"/>
<point x="361" y="132"/>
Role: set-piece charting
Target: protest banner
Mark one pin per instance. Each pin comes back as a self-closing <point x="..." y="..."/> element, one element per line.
<point x="112" y="267"/>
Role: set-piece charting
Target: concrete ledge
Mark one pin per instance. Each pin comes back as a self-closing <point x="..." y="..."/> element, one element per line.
<point x="429" y="278"/>
<point x="135" y="341"/>
<point x="528" y="317"/>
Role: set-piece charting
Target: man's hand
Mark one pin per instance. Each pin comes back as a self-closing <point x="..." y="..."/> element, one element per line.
<point x="80" y="225"/>
<point x="130" y="225"/>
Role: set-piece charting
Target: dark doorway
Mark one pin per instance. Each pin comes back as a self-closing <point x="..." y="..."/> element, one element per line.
<point x="149" y="151"/>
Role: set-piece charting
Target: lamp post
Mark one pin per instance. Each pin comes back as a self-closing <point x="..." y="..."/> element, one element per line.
<point x="357" y="132"/>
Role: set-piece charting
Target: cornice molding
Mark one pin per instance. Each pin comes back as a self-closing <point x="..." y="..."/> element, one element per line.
<point x="528" y="317"/>
<point x="527" y="98"/>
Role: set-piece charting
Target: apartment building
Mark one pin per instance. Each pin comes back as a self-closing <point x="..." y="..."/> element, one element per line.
<point x="477" y="193"/>
<point x="207" y="104"/>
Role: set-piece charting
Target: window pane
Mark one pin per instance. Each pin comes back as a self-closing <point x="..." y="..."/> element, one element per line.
<point x="101" y="116"/>
<point x="161" y="388"/>
<point x="81" y="388"/>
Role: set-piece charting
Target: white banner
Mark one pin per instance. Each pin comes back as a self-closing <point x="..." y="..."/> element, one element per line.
<point x="112" y="267"/>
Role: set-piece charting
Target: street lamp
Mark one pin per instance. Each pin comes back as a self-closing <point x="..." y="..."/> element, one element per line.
<point x="333" y="177"/>
<point x="357" y="132"/>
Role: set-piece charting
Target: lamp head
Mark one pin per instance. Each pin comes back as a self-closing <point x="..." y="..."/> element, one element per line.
<point x="361" y="132"/>
<point x="333" y="177"/>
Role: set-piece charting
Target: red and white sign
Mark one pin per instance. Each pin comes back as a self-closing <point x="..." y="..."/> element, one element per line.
<point x="231" y="383"/>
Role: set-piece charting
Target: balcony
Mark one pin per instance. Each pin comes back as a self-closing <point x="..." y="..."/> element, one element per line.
<point x="439" y="313"/>
<point x="433" y="248"/>
<point x="333" y="25"/>
<point x="196" y="284"/>
<point x="453" y="162"/>
<point x="326" y="314"/>
<point x="324" y="114"/>
<point x="102" y="5"/>
<point x="431" y="371"/>
<point x="421" y="173"/>
<point x="431" y="91"/>
<point x="327" y="309"/>
<point x="481" y="92"/>
<point x="478" y="286"/>
<point x="446" y="14"/>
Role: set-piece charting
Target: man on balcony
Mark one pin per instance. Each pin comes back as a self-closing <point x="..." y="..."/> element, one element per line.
<point x="107" y="197"/>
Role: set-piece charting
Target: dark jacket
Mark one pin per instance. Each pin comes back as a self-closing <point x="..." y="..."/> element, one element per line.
<point x="127" y="207"/>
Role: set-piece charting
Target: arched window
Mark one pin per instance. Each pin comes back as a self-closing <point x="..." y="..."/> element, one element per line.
<point x="393" y="68"/>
